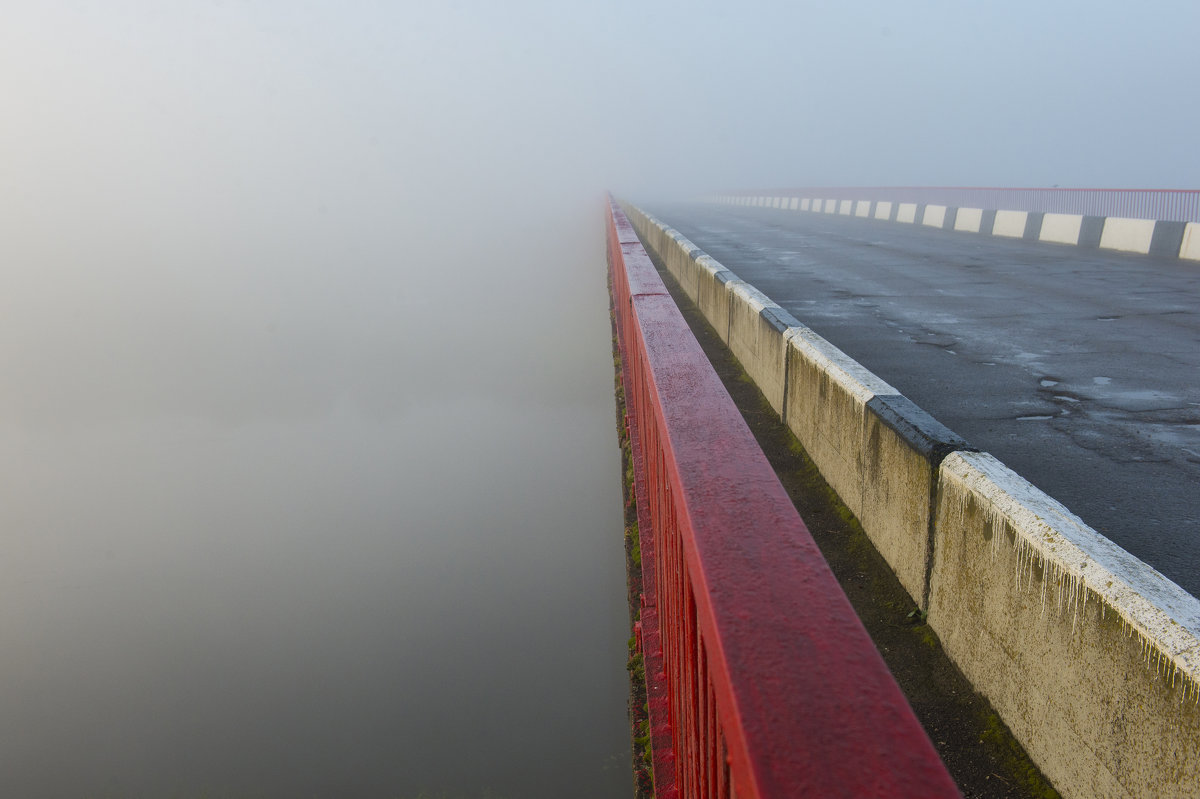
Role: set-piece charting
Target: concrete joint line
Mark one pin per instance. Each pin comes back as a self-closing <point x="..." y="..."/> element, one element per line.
<point x="788" y="336"/>
<point x="728" y="312"/>
<point x="935" y="485"/>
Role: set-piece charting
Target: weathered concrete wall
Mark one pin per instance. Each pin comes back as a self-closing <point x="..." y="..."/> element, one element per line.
<point x="712" y="293"/>
<point x="758" y="331"/>
<point x="876" y="449"/>
<point x="1089" y="655"/>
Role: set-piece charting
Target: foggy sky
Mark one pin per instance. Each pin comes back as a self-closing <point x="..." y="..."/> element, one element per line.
<point x="305" y="381"/>
<point x="452" y="97"/>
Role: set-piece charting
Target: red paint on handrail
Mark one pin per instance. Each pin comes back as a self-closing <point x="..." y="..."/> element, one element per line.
<point x="762" y="681"/>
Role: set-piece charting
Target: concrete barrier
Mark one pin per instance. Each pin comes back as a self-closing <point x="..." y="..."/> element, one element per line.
<point x="682" y="262"/>
<point x="1091" y="657"/>
<point x="1010" y="224"/>
<point x="1168" y="238"/>
<point x="1090" y="230"/>
<point x="968" y="219"/>
<point x="713" y="295"/>
<point x="935" y="216"/>
<point x="874" y="447"/>
<point x="1190" y="246"/>
<point x="1061" y="228"/>
<point x="758" y="333"/>
<point x="1164" y="238"/>
<point x="1127" y="235"/>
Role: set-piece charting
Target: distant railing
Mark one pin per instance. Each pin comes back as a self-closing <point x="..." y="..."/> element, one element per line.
<point x="1174" y="205"/>
<point x="761" y="680"/>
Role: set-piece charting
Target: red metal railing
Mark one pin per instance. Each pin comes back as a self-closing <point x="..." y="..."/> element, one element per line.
<point x="762" y="681"/>
<point x="1176" y="205"/>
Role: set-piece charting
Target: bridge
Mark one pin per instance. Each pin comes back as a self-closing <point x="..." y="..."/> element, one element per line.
<point x="871" y="317"/>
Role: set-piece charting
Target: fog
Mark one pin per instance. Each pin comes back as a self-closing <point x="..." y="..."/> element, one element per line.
<point x="309" y="470"/>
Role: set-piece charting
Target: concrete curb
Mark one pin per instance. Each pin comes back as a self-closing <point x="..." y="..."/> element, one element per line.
<point x="1140" y="236"/>
<point x="1088" y="654"/>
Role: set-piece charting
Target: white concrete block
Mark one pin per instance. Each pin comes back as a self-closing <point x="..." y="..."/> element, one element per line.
<point x="935" y="216"/>
<point x="831" y="206"/>
<point x="907" y="212"/>
<point x="1127" y="235"/>
<point x="846" y="207"/>
<point x="862" y="208"/>
<point x="794" y="204"/>
<point x="805" y="204"/>
<point x="1010" y="224"/>
<point x="968" y="219"/>
<point x="883" y="209"/>
<point x="1061" y="228"/>
<point x="1191" y="242"/>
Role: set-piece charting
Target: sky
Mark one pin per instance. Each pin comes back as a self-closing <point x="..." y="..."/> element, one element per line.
<point x="648" y="96"/>
<point x="271" y="271"/>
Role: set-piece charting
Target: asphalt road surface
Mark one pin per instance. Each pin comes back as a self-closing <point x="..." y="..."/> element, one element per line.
<point x="1078" y="368"/>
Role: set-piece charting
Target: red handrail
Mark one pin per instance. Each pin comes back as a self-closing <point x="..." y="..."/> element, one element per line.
<point x="762" y="681"/>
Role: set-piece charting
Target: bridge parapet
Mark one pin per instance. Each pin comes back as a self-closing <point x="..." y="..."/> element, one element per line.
<point x="1164" y="222"/>
<point x="762" y="681"/>
<point x="1179" y="205"/>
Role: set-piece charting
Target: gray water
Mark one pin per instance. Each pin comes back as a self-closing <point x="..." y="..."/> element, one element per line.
<point x="309" y="481"/>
